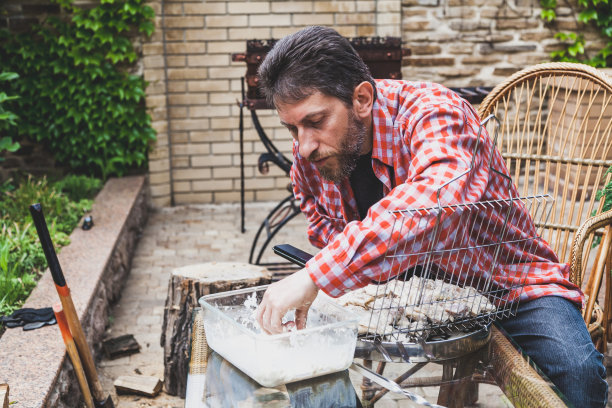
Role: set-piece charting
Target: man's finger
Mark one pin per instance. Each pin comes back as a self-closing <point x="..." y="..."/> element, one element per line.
<point x="276" y="318"/>
<point x="260" y="312"/>
<point x="265" y="320"/>
<point x="300" y="318"/>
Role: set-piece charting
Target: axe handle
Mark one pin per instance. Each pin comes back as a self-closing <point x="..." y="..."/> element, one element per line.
<point x="73" y="353"/>
<point x="81" y="343"/>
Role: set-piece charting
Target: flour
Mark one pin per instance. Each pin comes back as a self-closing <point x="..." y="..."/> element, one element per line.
<point x="323" y="347"/>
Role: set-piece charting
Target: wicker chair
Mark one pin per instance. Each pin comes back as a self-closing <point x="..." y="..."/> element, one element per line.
<point x="556" y="137"/>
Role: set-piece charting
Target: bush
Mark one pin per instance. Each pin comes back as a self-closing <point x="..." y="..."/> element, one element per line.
<point x="7" y="118"/>
<point x="75" y="90"/>
<point x="21" y="257"/>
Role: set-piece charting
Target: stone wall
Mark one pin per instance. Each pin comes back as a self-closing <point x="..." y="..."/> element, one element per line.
<point x="478" y="42"/>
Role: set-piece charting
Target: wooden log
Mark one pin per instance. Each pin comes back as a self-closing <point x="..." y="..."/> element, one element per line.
<point x="4" y="395"/>
<point x="120" y="346"/>
<point x="138" y="384"/>
<point x="185" y="287"/>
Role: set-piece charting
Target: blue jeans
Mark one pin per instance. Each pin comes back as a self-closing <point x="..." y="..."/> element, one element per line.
<point x="552" y="332"/>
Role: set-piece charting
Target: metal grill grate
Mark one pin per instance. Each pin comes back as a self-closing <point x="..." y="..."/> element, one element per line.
<point x="460" y="275"/>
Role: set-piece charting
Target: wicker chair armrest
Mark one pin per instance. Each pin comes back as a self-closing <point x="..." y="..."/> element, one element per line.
<point x="581" y="237"/>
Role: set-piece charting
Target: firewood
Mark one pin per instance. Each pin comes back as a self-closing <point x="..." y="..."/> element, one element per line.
<point x="138" y="384"/>
<point x="4" y="395"/>
<point x="120" y="346"/>
<point x="185" y="287"/>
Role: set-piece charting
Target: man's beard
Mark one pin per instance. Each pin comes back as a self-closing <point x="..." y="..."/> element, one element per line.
<point x="350" y="149"/>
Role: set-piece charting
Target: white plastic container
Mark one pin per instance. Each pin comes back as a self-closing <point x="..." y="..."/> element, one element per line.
<point x="326" y="345"/>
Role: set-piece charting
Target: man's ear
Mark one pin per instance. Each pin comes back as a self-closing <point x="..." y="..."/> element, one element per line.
<point x="363" y="98"/>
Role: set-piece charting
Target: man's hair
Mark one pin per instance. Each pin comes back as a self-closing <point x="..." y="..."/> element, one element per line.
<point x="313" y="59"/>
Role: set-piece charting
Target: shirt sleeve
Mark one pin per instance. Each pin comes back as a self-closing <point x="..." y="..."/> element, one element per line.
<point x="321" y="228"/>
<point x="442" y="142"/>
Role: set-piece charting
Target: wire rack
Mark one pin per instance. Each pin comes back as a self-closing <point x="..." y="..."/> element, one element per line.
<point x="463" y="273"/>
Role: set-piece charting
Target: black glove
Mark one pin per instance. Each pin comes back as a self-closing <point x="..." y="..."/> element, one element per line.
<point x="29" y="318"/>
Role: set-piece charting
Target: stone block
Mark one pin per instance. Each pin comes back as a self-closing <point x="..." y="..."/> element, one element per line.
<point x="208" y="60"/>
<point x="224" y="148"/>
<point x="481" y="60"/>
<point x="186" y="48"/>
<point x="505" y="71"/>
<point x="189" y="124"/>
<point x="307" y="19"/>
<point x="292" y="6"/>
<point x="254" y="7"/>
<point x="177" y="86"/>
<point x="193" y="198"/>
<point x="212" y="185"/>
<point x="280" y="32"/>
<point x="460" y="48"/>
<point x="207" y="34"/>
<point x="427" y="3"/>
<point x="173" y="9"/>
<point x="181" y="186"/>
<point x="191" y="174"/>
<point x="249" y="33"/>
<point x="151" y="75"/>
<point x="514" y="48"/>
<point x="176" y="61"/>
<point x="516" y="24"/>
<point x="227" y="72"/>
<point x="424" y="49"/>
<point x="535" y="35"/>
<point x="355" y="18"/>
<point x="429" y="62"/>
<point x="226" y="47"/>
<point x="184" y="21"/>
<point x="413" y="24"/>
<point x="226" y="21"/>
<point x="367" y="6"/>
<point x="187" y="73"/>
<point x="178" y="112"/>
<point x="270" y="20"/>
<point x="209" y="111"/>
<point x="211" y="160"/>
<point x="210" y="136"/>
<point x="206" y="8"/>
<point x="334" y="6"/>
<point x="159" y="165"/>
<point x="188" y="99"/>
<point x="208" y="86"/>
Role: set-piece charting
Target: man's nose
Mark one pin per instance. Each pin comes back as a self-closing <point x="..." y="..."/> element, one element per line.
<point x="308" y="143"/>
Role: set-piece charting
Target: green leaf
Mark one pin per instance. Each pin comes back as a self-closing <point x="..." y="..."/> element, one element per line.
<point x="587" y="15"/>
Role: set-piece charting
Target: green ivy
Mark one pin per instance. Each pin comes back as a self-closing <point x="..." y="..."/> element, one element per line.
<point x="75" y="89"/>
<point x="597" y="13"/>
<point x="7" y="118"/>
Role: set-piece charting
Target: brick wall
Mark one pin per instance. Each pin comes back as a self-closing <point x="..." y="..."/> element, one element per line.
<point x="200" y="111"/>
<point x="454" y="42"/>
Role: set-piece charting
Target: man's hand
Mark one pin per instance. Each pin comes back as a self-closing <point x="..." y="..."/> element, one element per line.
<point x="296" y="291"/>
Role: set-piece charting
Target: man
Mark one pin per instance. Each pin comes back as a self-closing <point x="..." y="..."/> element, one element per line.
<point x="364" y="147"/>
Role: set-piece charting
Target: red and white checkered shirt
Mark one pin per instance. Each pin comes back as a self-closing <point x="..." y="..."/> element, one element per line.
<point x="423" y="136"/>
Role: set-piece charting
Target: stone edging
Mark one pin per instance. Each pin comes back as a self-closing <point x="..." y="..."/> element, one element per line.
<point x="95" y="264"/>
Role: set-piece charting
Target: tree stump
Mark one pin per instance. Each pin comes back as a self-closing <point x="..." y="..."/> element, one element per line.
<point x="185" y="287"/>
